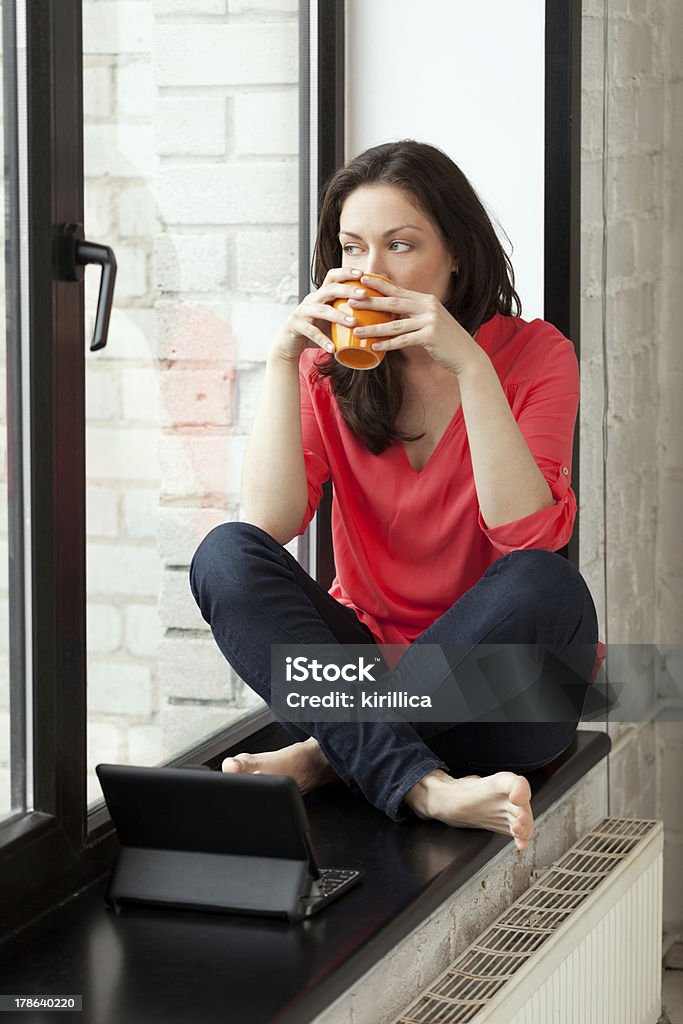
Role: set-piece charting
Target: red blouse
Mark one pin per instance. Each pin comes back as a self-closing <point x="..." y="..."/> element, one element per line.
<point x="408" y="544"/>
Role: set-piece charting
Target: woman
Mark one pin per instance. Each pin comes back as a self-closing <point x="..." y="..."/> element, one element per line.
<point x="450" y="463"/>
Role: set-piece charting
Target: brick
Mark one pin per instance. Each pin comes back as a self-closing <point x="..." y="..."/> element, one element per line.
<point x="131" y="335"/>
<point x="184" y="725"/>
<point x="4" y="737"/>
<point x="140" y="513"/>
<point x="190" y="126"/>
<point x="145" y="745"/>
<point x="133" y="279"/>
<point x="119" y="151"/>
<point x="197" y="397"/>
<point x="104" y="628"/>
<point x="622" y="119"/>
<point x="620" y="250"/>
<point x="4" y="609"/>
<point x="97" y="91"/>
<point x="98" y="209"/>
<point x="101" y="512"/>
<point x="140" y="394"/>
<point x="122" y="569"/>
<point x="215" y="54"/>
<point x="591" y="193"/>
<point x="117" y="27"/>
<point x="195" y="333"/>
<point x="137" y="212"/>
<point x="104" y="744"/>
<point x="265" y="257"/>
<point x="4" y="673"/>
<point x="119" y="688"/>
<point x="248" y="393"/>
<point x="122" y="454"/>
<point x="194" y="668"/>
<point x="196" y="466"/>
<point x="181" y="530"/>
<point x="191" y="7"/>
<point x="648" y="244"/>
<point x="255" y="325"/>
<point x="143" y="630"/>
<point x="178" y="607"/>
<point x="249" y="193"/>
<point x="267" y="122"/>
<point x="263" y="6"/>
<point x="196" y="263"/>
<point x="633" y="50"/>
<point x="592" y="135"/>
<point x="650" y="113"/>
<point x="632" y="185"/>
<point x="592" y="52"/>
<point x="135" y="91"/>
<point x="101" y="393"/>
<point x="5" y="791"/>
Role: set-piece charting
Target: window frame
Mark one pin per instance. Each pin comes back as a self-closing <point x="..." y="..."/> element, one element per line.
<point x="47" y="854"/>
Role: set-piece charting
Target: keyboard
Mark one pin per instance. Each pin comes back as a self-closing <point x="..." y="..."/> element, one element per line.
<point x="331" y="883"/>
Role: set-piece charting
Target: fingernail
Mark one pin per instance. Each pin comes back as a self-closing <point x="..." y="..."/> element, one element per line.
<point x="350" y="319"/>
<point x="329" y="347"/>
<point x="359" y="291"/>
<point x="356" y="273"/>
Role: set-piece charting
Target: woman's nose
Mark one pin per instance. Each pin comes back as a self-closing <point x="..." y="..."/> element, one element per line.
<point x="374" y="264"/>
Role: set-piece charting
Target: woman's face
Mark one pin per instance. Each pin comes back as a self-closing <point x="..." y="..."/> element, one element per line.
<point x="381" y="231"/>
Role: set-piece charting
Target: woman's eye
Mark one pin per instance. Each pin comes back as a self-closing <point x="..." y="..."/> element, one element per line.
<point x="347" y="249"/>
<point x="406" y="245"/>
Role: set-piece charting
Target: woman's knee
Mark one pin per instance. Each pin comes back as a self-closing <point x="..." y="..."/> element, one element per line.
<point x="225" y="554"/>
<point x="547" y="581"/>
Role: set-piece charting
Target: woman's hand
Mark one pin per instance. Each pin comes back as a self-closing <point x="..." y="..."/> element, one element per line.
<point x="310" y="323"/>
<point x="422" y="320"/>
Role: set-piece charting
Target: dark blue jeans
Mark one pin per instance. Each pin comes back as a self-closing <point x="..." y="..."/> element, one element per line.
<point x="253" y="593"/>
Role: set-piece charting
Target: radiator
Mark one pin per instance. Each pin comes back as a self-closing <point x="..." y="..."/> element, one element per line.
<point x="582" y="945"/>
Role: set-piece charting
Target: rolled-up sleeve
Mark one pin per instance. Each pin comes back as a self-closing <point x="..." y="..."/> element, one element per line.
<point x="545" y="409"/>
<point x="315" y="455"/>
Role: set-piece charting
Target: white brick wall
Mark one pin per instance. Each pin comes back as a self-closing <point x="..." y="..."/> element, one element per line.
<point x="194" y="55"/>
<point x="226" y="193"/>
<point x="643" y="294"/>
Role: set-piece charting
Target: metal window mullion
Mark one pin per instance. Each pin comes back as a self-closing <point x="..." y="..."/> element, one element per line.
<point x="562" y="207"/>
<point x="55" y="172"/>
<point x="330" y="121"/>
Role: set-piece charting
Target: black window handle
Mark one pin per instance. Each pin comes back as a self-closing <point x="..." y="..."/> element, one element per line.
<point x="74" y="253"/>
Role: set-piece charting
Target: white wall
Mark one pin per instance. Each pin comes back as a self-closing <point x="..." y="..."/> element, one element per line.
<point x="468" y="78"/>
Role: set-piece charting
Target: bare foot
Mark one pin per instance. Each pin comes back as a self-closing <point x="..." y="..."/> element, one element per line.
<point x="499" y="803"/>
<point x="304" y="762"/>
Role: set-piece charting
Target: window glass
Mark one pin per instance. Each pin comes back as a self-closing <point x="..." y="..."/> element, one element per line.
<point x="191" y="166"/>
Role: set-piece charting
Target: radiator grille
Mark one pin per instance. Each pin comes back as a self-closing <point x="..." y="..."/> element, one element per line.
<point x="462" y="993"/>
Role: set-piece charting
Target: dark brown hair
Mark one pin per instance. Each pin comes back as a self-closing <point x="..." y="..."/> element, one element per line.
<point x="370" y="401"/>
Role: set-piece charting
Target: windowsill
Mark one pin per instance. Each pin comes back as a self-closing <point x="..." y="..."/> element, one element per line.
<point x="145" y="965"/>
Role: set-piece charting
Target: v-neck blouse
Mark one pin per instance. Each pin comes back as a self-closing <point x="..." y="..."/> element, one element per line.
<point x="409" y="544"/>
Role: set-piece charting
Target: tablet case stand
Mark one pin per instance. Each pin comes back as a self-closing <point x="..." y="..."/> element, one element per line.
<point x="209" y="841"/>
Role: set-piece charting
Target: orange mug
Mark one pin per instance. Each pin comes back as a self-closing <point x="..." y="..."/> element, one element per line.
<point x="349" y="349"/>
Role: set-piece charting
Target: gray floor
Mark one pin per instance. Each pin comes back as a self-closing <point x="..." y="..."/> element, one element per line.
<point x="672" y="997"/>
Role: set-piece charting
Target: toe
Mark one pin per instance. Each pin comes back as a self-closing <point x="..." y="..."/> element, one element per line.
<point x="239" y="763"/>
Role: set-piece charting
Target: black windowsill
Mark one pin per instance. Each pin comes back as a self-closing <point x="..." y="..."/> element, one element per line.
<point x="146" y="965"/>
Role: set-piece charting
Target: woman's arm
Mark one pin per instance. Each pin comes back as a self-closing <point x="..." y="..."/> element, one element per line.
<point x="274" y="483"/>
<point x="274" y="487"/>
<point x="509" y="484"/>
